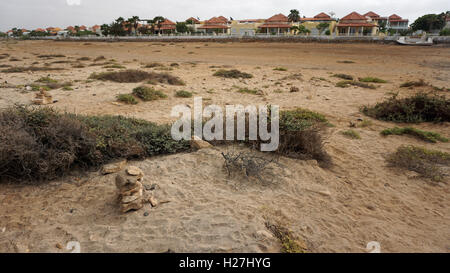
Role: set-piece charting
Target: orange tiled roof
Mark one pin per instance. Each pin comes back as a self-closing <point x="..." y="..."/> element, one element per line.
<point x="278" y="18"/>
<point x="217" y="20"/>
<point x="209" y="26"/>
<point x="372" y="15"/>
<point x="196" y="21"/>
<point x="322" y="15"/>
<point x="353" y="16"/>
<point x="40" y="30"/>
<point x="396" y="18"/>
<point x="355" y="25"/>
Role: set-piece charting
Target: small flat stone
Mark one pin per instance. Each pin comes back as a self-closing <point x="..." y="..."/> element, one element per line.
<point x="134" y="171"/>
<point x="114" y="167"/>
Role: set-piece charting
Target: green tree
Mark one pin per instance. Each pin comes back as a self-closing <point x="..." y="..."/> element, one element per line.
<point x="156" y="23"/>
<point x="382" y="27"/>
<point x="322" y="27"/>
<point x="132" y="24"/>
<point x="429" y="22"/>
<point x="294" y="15"/>
<point x="105" y="29"/>
<point x="182" y="27"/>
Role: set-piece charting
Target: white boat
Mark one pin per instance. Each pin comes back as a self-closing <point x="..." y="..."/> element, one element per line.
<point x="415" y="42"/>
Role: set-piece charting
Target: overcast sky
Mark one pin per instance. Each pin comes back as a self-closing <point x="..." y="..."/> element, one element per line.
<point x="32" y="14"/>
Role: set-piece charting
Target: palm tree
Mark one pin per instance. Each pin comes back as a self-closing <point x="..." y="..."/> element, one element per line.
<point x="132" y="24"/>
<point x="294" y="16"/>
<point x="157" y="22"/>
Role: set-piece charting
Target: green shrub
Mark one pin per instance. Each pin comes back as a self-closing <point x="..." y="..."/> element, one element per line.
<point x="419" y="108"/>
<point x="234" y="73"/>
<point x="127" y="98"/>
<point x="148" y="94"/>
<point x="43" y="144"/>
<point x="344" y="76"/>
<point x="247" y="90"/>
<point x="129" y="76"/>
<point x="445" y="32"/>
<point x="423" y="135"/>
<point x="280" y="69"/>
<point x="183" y="94"/>
<point x="429" y="163"/>
<point x="414" y="83"/>
<point x="351" y="134"/>
<point x="372" y="79"/>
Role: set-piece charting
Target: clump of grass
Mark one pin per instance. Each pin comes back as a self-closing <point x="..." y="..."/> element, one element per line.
<point x="345" y="84"/>
<point x="246" y="90"/>
<point x="67" y="88"/>
<point x="13" y="59"/>
<point x="428" y="163"/>
<point x="30" y="68"/>
<point x="129" y="76"/>
<point x="183" y="94"/>
<point x="423" y="135"/>
<point x="127" y="98"/>
<point x="46" y="80"/>
<point x="99" y="58"/>
<point x="114" y="66"/>
<point x="174" y="64"/>
<point x="295" y="77"/>
<point x="414" y="83"/>
<point x="372" y="79"/>
<point x="78" y="65"/>
<point x="346" y="62"/>
<point x="365" y="123"/>
<point x="49" y="56"/>
<point x="148" y="94"/>
<point x="280" y="69"/>
<point x="421" y="107"/>
<point x="152" y="65"/>
<point x="84" y="59"/>
<point x="344" y="76"/>
<point x="289" y="242"/>
<point x="233" y="73"/>
<point x="43" y="144"/>
<point x="351" y="134"/>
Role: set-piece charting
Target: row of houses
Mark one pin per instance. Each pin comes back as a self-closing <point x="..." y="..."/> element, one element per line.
<point x="353" y="24"/>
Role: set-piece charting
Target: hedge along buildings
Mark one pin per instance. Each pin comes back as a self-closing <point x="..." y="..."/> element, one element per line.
<point x="355" y="24"/>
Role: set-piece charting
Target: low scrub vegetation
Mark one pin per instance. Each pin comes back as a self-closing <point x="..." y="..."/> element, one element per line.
<point x="418" y="108"/>
<point x="43" y="144"/>
<point x="183" y="94"/>
<point x="428" y="163"/>
<point x="234" y="74"/>
<point x="127" y="98"/>
<point x="289" y="242"/>
<point x="280" y="69"/>
<point x="48" y="83"/>
<point x="21" y="69"/>
<point x="351" y="134"/>
<point x="423" y="135"/>
<point x="148" y="93"/>
<point x="130" y="76"/>
<point x="344" y="76"/>
<point x="50" y="56"/>
<point x="417" y="83"/>
<point x="246" y="90"/>
<point x="372" y="79"/>
<point x="345" y="84"/>
<point x="300" y="135"/>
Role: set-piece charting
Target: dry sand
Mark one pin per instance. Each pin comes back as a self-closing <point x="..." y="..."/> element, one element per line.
<point x="341" y="209"/>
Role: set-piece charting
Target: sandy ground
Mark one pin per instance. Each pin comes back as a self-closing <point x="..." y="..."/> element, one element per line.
<point x="210" y="212"/>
